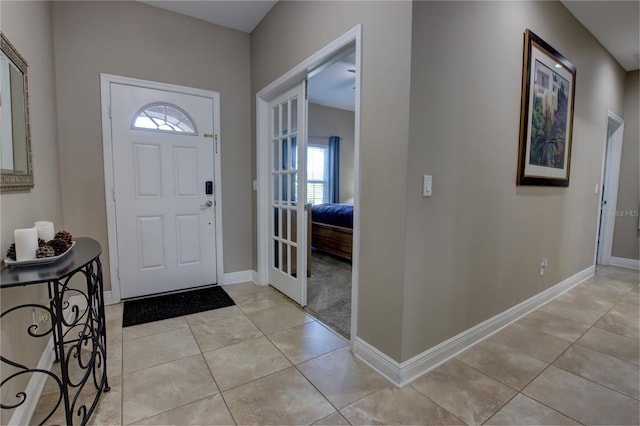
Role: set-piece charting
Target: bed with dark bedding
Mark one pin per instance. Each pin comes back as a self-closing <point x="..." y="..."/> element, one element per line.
<point x="332" y="229"/>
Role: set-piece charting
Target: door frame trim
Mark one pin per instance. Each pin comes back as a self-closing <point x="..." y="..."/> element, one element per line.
<point x="609" y="178"/>
<point x="107" y="149"/>
<point x="273" y="89"/>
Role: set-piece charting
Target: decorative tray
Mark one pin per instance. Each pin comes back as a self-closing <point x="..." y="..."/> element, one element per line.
<point x="41" y="261"/>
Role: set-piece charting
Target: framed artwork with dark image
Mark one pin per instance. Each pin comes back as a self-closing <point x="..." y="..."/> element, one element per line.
<point x="546" y="115"/>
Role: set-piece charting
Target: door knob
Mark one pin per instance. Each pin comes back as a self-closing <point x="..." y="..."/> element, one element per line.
<point x="207" y="204"/>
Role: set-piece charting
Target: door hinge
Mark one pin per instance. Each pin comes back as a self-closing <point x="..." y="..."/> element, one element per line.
<point x="306" y="89"/>
<point x="118" y="273"/>
<point x="113" y="194"/>
<point x="216" y="139"/>
<point x="110" y="111"/>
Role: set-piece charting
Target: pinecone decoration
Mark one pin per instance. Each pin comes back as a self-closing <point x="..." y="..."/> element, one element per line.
<point x="45" y="251"/>
<point x="11" y="253"/>
<point x="41" y="242"/>
<point x="64" y="235"/>
<point x="58" y="245"/>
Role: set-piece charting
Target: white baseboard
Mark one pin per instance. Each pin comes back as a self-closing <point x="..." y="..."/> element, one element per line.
<point x="239" y="277"/>
<point x="24" y="413"/>
<point x="378" y="360"/>
<point x="625" y="263"/>
<point x="402" y="373"/>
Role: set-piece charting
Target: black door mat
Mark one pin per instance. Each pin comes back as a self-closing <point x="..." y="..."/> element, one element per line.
<point x="166" y="306"/>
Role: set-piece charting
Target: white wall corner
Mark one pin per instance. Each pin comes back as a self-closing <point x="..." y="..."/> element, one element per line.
<point x="625" y="263"/>
<point x="404" y="373"/>
<point x="239" y="277"/>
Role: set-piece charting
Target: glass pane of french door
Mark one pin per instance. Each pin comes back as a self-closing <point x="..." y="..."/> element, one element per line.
<point x="285" y="178"/>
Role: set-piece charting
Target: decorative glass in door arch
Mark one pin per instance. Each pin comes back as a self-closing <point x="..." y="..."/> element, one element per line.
<point x="163" y="117"/>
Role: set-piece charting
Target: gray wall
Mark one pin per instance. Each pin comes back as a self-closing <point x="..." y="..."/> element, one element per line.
<point x="136" y="40"/>
<point x="327" y="121"/>
<point x="625" y="237"/>
<point x="473" y="249"/>
<point x="293" y="31"/>
<point x="28" y="27"/>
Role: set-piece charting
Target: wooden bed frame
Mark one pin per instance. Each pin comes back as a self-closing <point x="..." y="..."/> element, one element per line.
<point x="335" y="240"/>
<point x="332" y="239"/>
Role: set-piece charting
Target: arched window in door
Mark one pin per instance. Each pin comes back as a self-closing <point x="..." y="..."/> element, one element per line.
<point x="161" y="117"/>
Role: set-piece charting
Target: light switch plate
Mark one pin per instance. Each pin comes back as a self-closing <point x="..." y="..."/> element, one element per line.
<point x="426" y="185"/>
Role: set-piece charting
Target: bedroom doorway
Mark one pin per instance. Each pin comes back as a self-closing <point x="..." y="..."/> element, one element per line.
<point x="349" y="43"/>
<point x="330" y="191"/>
<point x="610" y="180"/>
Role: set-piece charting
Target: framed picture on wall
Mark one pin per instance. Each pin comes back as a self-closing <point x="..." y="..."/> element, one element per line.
<point x="546" y="115"/>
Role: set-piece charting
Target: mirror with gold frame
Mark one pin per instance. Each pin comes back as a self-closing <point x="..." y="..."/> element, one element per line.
<point x="16" y="168"/>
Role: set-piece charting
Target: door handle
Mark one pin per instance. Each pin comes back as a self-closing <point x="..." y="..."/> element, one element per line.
<point x="207" y="204"/>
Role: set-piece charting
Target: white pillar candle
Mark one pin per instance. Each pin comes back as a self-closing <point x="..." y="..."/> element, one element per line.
<point x="45" y="229"/>
<point x="26" y="243"/>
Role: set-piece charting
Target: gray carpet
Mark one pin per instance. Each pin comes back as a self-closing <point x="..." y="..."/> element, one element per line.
<point x="329" y="292"/>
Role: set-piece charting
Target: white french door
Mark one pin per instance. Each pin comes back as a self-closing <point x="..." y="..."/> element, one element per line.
<point x="287" y="189"/>
<point x="163" y="166"/>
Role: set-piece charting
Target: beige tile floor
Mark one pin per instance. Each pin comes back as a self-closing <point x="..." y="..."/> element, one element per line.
<point x="264" y="361"/>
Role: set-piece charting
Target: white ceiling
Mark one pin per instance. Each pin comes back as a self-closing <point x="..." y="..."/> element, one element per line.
<point x="243" y="15"/>
<point x="615" y="24"/>
<point x="334" y="85"/>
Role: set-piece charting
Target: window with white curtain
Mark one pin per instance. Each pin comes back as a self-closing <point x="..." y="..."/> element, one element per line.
<point x="317" y="174"/>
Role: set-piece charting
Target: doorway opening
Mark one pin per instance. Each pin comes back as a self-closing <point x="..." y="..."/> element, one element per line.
<point x="330" y="191"/>
<point x="266" y="139"/>
<point x="610" y="180"/>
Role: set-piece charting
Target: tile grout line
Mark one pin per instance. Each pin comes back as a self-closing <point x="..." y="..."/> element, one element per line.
<point x="435" y="403"/>
<point x="316" y="357"/>
<point x="571" y="344"/>
<point x="480" y="372"/>
<point x="295" y="366"/>
<point x="188" y="356"/>
<point x="604" y="353"/>
<point x="213" y="377"/>
<point x="285" y="357"/>
<point x="308" y="380"/>
<point x="559" y="356"/>
<point x="209" y="367"/>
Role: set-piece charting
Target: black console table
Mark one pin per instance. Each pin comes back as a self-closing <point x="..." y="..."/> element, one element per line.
<point x="78" y="329"/>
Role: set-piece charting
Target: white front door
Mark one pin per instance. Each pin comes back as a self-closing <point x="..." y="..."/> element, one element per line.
<point x="287" y="189"/>
<point x="163" y="164"/>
